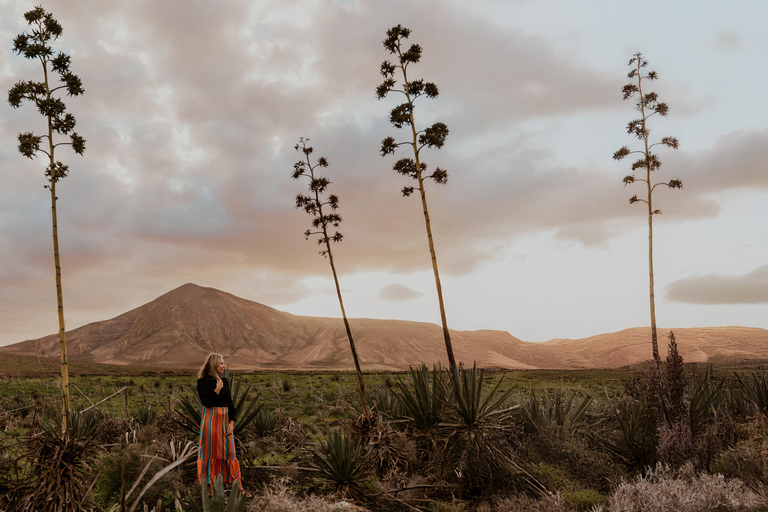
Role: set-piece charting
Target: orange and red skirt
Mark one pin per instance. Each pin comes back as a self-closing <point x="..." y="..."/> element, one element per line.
<point x="216" y="452"/>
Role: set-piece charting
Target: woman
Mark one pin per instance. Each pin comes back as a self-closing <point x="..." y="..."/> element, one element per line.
<point x="216" y="452"/>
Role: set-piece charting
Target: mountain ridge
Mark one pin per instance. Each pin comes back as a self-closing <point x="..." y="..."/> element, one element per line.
<point x="180" y="328"/>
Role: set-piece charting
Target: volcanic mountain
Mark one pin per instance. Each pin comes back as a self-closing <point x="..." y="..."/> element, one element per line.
<point x="179" y="329"/>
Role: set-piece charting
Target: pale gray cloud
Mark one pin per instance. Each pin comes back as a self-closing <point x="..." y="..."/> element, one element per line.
<point x="727" y="40"/>
<point x="398" y="292"/>
<point x="750" y="288"/>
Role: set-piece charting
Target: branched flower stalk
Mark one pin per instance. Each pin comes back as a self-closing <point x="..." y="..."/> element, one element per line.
<point x="324" y="217"/>
<point x="36" y="45"/>
<point x="648" y="105"/>
<point x="431" y="137"/>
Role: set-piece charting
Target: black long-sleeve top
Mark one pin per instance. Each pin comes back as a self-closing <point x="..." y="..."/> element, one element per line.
<point x="209" y="397"/>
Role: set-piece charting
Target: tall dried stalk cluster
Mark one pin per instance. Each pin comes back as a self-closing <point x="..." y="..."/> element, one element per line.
<point x="324" y="217"/>
<point x="36" y="44"/>
<point x="430" y="137"/>
<point x="648" y="105"/>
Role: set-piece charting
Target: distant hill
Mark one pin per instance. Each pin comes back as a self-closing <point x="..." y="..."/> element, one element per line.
<point x="180" y="328"/>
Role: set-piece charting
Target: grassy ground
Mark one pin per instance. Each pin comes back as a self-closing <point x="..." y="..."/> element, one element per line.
<point x="318" y="399"/>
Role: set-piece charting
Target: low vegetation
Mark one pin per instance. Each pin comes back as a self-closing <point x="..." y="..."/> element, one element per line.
<point x="530" y="440"/>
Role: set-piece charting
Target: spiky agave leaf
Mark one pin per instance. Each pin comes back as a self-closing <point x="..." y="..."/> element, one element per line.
<point x="341" y="459"/>
<point x="703" y="394"/>
<point x="474" y="408"/>
<point x="422" y="403"/>
<point x="561" y="412"/>
<point x="754" y="389"/>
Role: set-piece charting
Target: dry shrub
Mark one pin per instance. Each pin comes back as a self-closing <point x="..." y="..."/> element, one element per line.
<point x="744" y="461"/>
<point x="390" y="452"/>
<point x="666" y="490"/>
<point x="112" y="429"/>
<point x="107" y="487"/>
<point x="676" y="444"/>
<point x="476" y="462"/>
<point x="167" y="427"/>
<point x="59" y="476"/>
<point x="291" y="435"/>
<point x="579" y="456"/>
<point x="278" y="497"/>
<point x="523" y="503"/>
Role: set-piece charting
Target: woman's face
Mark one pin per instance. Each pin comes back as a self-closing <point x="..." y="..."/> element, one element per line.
<point x="220" y="367"/>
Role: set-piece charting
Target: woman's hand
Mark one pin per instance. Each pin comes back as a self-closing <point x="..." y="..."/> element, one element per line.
<point x="230" y="427"/>
<point x="219" y="385"/>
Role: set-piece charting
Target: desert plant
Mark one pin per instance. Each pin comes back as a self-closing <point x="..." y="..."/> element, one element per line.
<point x="37" y="45"/>
<point x="58" y="467"/>
<point x="648" y="105"/>
<point x="584" y="499"/>
<point x="470" y="444"/>
<point x="189" y="414"/>
<point x="555" y="413"/>
<point x="265" y="422"/>
<point x="280" y="496"/>
<point x="181" y="457"/>
<point x="341" y="459"/>
<point x="673" y="397"/>
<point x="744" y="461"/>
<point x="754" y="389"/>
<point x="146" y="416"/>
<point x="431" y="137"/>
<point x="524" y="503"/>
<point x="386" y="402"/>
<point x="636" y="439"/>
<point x="422" y="402"/>
<point x="321" y="222"/>
<point x="218" y="501"/>
<point x="662" y="489"/>
<point x="732" y="401"/>
<point x="677" y="445"/>
<point x="473" y="408"/>
<point x="82" y="426"/>
<point x="703" y="396"/>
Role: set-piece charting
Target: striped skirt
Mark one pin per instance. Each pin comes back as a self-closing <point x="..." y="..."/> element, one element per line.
<point x="216" y="452"/>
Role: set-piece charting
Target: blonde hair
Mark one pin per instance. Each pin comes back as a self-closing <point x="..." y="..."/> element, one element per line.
<point x="209" y="367"/>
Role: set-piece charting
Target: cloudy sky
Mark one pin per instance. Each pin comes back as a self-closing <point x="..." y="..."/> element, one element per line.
<point x="192" y="110"/>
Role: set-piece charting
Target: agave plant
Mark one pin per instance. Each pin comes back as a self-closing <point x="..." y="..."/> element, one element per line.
<point x="178" y="458"/>
<point x="264" y="422"/>
<point x="218" y="503"/>
<point x="82" y="426"/>
<point x="703" y="396"/>
<point x="733" y="402"/>
<point x="557" y="412"/>
<point x="754" y="389"/>
<point x="473" y="408"/>
<point x="190" y="411"/>
<point x="341" y="459"/>
<point x="146" y="416"/>
<point x="636" y="439"/>
<point x="422" y="403"/>
<point x="57" y="466"/>
<point x="386" y="402"/>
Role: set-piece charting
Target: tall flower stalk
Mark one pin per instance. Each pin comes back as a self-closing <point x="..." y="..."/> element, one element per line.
<point x="36" y="45"/>
<point x="648" y="105"/>
<point x="431" y="137"/>
<point x="324" y="217"/>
